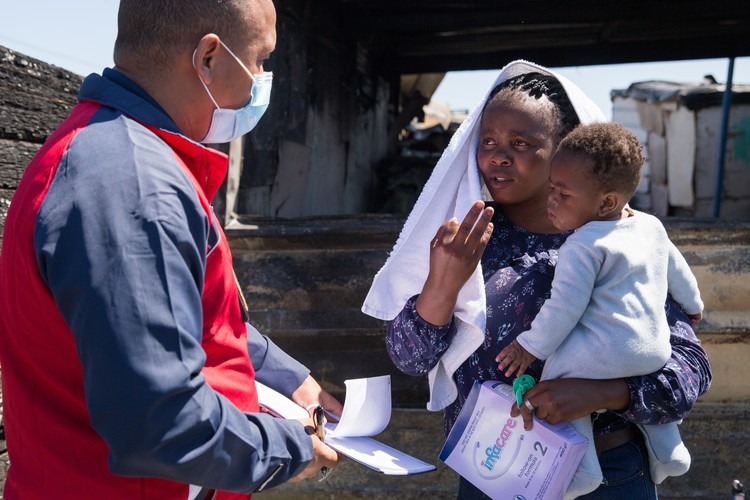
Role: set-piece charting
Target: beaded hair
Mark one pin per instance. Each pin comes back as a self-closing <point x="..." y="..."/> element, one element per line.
<point x="537" y="85"/>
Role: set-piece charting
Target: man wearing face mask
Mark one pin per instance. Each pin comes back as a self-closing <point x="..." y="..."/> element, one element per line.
<point x="128" y="368"/>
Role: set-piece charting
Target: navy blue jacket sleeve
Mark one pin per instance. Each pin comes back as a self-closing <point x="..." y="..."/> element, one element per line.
<point x="120" y="241"/>
<point x="274" y="367"/>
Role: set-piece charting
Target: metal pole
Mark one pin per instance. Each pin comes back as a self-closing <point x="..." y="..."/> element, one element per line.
<point x="726" y="105"/>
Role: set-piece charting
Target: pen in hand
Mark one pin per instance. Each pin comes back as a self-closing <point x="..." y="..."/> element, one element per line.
<point x="319" y="421"/>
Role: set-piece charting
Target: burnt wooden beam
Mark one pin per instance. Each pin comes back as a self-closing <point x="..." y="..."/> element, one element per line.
<point x="600" y="52"/>
<point x="35" y="97"/>
<point x="440" y="36"/>
<point x="14" y="156"/>
<point x="438" y="17"/>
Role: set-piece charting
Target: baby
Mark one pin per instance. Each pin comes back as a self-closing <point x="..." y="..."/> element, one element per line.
<point x="605" y="317"/>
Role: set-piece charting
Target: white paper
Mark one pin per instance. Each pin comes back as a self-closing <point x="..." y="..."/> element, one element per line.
<point x="378" y="456"/>
<point x="277" y="404"/>
<point x="367" y="411"/>
<point x="367" y="408"/>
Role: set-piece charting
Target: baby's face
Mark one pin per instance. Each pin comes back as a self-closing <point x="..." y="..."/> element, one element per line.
<point x="574" y="197"/>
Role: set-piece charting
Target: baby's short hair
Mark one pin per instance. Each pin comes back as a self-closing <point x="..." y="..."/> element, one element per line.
<point x="616" y="154"/>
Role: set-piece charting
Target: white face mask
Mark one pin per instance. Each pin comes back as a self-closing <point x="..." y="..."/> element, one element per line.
<point x="229" y="124"/>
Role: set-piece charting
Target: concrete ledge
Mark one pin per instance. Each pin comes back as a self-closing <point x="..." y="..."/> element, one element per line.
<point x="417" y="432"/>
<point x="715" y="434"/>
<point x="367" y="231"/>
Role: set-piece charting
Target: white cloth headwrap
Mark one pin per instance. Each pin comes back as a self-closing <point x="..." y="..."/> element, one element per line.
<point x="451" y="190"/>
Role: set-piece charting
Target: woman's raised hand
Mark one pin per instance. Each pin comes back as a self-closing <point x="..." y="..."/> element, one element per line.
<point x="454" y="254"/>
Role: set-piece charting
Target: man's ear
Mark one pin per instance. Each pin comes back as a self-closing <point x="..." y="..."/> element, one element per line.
<point x="204" y="57"/>
<point x="610" y="203"/>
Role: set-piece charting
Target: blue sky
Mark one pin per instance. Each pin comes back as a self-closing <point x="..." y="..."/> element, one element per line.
<point x="79" y="35"/>
<point x="465" y="89"/>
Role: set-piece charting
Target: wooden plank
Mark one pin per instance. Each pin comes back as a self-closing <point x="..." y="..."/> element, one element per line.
<point x="14" y="157"/>
<point x="34" y="96"/>
<point x="5" y="196"/>
<point x="336" y="356"/>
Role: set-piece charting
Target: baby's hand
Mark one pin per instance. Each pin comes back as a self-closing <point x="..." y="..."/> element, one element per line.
<point x="515" y="358"/>
<point x="695" y="318"/>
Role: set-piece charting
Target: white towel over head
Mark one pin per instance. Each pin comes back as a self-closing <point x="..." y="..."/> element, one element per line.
<point x="451" y="190"/>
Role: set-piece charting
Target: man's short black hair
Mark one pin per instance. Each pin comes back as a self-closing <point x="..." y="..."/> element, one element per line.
<point x="159" y="29"/>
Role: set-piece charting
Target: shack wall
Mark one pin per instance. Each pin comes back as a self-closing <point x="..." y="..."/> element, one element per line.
<point x="34" y="98"/>
<point x="326" y="129"/>
<point x="682" y="151"/>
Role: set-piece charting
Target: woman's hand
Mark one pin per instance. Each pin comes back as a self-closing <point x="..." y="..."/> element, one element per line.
<point x="565" y="399"/>
<point x="454" y="254"/>
<point x="695" y="318"/>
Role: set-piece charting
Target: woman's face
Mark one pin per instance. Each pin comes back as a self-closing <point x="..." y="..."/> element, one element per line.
<point x="516" y="139"/>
